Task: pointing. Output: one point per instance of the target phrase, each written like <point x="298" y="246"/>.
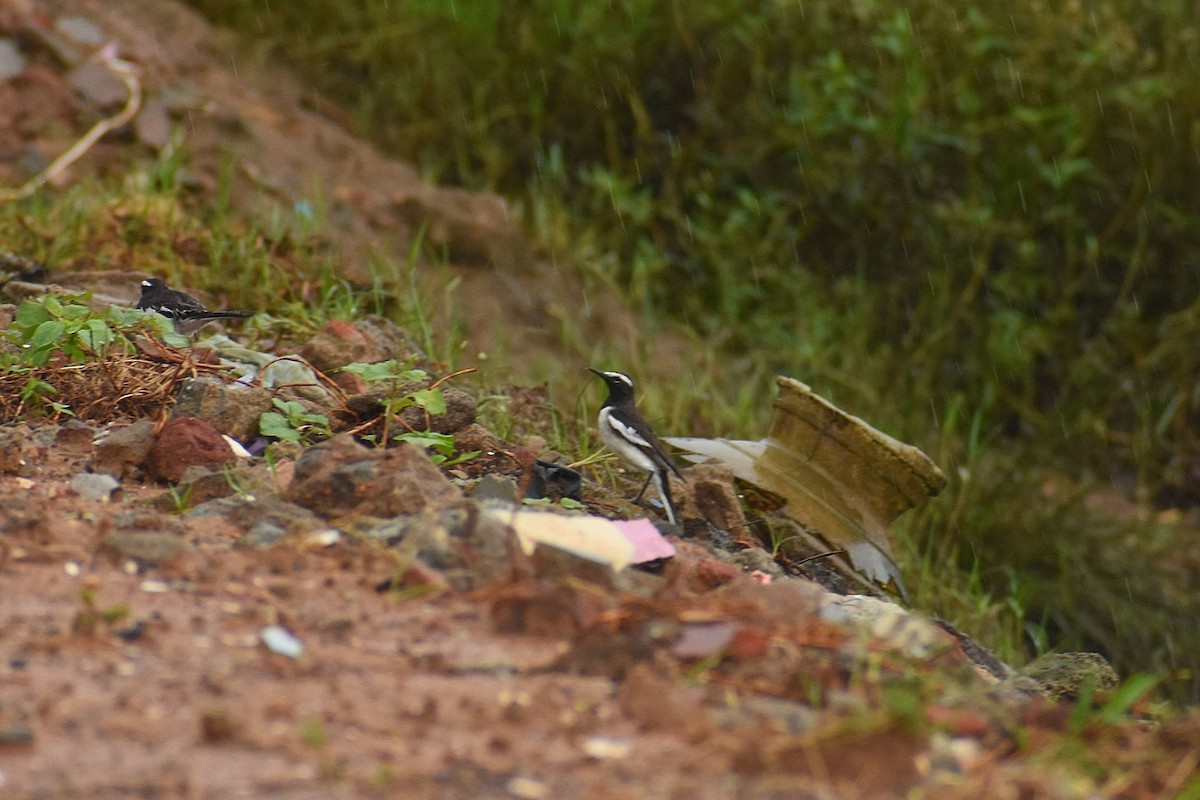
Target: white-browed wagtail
<point x="188" y="313"/>
<point x="628" y="435"/>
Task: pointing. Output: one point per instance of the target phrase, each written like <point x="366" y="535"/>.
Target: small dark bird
<point x="629" y="436"/>
<point x="188" y="313"/>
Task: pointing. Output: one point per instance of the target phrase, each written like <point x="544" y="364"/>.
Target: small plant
<point x="440" y="445"/>
<point x="431" y="400"/>
<point x="54" y="323"/>
<point x="180" y="500"/>
<point x="64" y="324"/>
<point x="293" y="422"/>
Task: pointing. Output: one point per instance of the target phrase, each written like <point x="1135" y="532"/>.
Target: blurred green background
<point x="976" y="225"/>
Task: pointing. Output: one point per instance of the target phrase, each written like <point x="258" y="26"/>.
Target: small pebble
<point x="278" y="640"/>
<point x="95" y="486"/>
<point x="12" y="63"/>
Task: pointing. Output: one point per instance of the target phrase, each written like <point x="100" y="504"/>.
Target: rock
<point x="464" y="547"/>
<point x="887" y="623"/>
<point x="119" y="450"/>
<point x="340" y="477"/>
<point x="1062" y="676"/>
<point x="187" y="442"/>
<point x="16" y="450"/>
<point x="80" y="30"/>
<point x="232" y="408"/>
<point x="76" y="436"/>
<point x="495" y="488"/>
<point x="709" y="494"/>
<point x="198" y="485"/>
<point x="147" y="547"/>
<point x="367" y="341"/>
<point x="264" y="520"/>
<point x="262" y="535"/>
<point x="94" y="486"/>
<point x="99" y="85"/>
<point x="12" y="63"/>
<point x="152" y="125"/>
<point x="753" y="559"/>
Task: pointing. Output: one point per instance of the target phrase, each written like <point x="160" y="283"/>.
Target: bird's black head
<point x="153" y="285"/>
<point x="620" y="387"/>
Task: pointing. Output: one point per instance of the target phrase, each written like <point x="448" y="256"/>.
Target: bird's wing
<point x="182" y="303"/>
<point x="637" y="431"/>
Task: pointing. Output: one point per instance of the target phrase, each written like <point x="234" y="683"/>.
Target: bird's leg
<point x="649" y="477"/>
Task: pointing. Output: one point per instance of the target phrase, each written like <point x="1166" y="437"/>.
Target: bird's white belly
<point x="629" y="453"/>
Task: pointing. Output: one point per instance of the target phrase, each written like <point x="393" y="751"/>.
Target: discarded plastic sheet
<point x="840" y="478"/>
<point x="648" y="543"/>
<point x="617" y="543"/>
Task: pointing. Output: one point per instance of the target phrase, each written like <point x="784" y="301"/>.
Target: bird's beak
<point x="598" y="372"/>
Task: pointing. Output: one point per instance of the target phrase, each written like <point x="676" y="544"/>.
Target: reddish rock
<point x="187" y="442"/>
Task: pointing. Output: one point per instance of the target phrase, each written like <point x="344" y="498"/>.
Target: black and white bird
<point x="628" y="435"/>
<point x="188" y="313"/>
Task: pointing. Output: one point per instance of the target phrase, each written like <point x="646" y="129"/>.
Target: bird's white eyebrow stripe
<point x="621" y="377"/>
<point x="147" y="284"/>
<point x="627" y="432"/>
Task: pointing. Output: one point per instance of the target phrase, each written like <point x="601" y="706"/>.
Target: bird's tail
<point x="663" y="484"/>
<point x="228" y="314"/>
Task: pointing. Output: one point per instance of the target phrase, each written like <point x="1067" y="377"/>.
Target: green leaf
<point x="432" y="400"/>
<point x="389" y="370"/>
<point x="31" y="313"/>
<point x="429" y="439"/>
<point x="47" y="334"/>
<point x="276" y="426"/>
<point x="96" y="335"/>
<point x="76" y="311"/>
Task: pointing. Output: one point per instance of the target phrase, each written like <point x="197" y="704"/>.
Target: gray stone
<point x="95" y="486"/>
<point x="198" y="485"/>
<point x="262" y="535"/>
<point x="247" y="512"/>
<point x="496" y="488"/>
<point x="231" y="408"/>
<point x="98" y="84"/>
<point x="80" y="30"/>
<point x="12" y="63"/>
<point x="76" y="436"/>
<point x="119" y="450"/>
<point x="147" y="547"/>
